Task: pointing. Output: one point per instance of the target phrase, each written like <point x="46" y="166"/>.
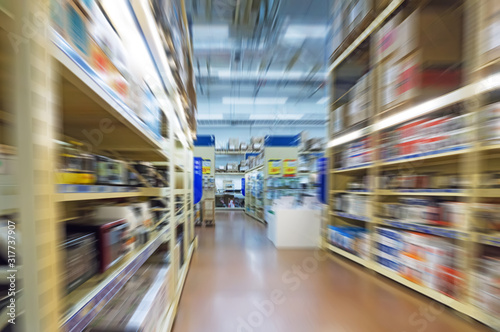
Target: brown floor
<point x="236" y="274"/>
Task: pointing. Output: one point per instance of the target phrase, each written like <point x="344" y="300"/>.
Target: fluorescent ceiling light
<point x="299" y="31"/>
<point x="323" y="100"/>
<point x="276" y="116"/>
<point x="210" y="116"/>
<point x="207" y="31"/>
<point x="253" y="101"/>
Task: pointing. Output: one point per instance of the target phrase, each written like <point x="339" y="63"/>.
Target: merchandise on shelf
<point x="110" y="234"/>
<point x="491" y="124"/>
<point x="149" y="110"/>
<point x="486" y="293"/>
<point x="257" y="143"/>
<point x="417" y="56"/>
<point x="357" y="153"/>
<point x="337" y="119"/>
<point x="233" y="144"/>
<point x="352" y="239"/>
<point x="74" y="166"/>
<point x="80" y="256"/>
<point x="355" y="205"/>
<point x="426" y="135"/>
<point x="399" y="180"/>
<point x="359" y="108"/>
<point x="159" y="208"/>
<point x="360" y="183"/>
<point x="140" y="304"/>
<point x="487" y="216"/>
<point x="426" y="260"/>
<point x="489" y="44"/>
<point x="428" y="211"/>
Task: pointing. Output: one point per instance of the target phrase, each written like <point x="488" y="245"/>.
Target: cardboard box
<point x="436" y="32"/>
<point x="416" y="82"/>
<point x="386" y="39"/>
<point x="354" y="14"/>
<point x="489" y="41"/>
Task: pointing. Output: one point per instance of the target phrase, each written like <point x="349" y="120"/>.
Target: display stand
<point x="294" y="228"/>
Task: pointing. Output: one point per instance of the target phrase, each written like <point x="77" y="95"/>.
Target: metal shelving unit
<point x="481" y="82"/>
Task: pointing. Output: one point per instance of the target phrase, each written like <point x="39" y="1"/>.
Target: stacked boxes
<point x="140" y="304"/>
<point x="417" y="54"/>
<point x="426" y="260"/>
<point x="389" y="246"/>
<point x="427" y="211"/>
<point x="357" y="153"/>
<point x="337" y="119"/>
<point x="354" y="13"/>
<point x="489" y="43"/>
<point x="426" y="135"/>
<point x="487" y="216"/>
<point x="356" y="205"/>
<point x="491" y="123"/>
<point x="487" y="291"/>
<point x="359" y="107"/>
<point x="86" y="29"/>
<point x="353" y="239"/>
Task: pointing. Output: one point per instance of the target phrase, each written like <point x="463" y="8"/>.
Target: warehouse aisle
<point x="238" y="282"/>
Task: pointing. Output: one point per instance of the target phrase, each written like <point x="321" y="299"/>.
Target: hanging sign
<point x="323" y="180"/>
<point x="197" y="180"/>
<point x="289" y="168"/>
<point x="274" y="167"/>
<point x="207" y="166"/>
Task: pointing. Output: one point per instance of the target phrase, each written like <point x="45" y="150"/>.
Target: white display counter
<point x="294" y="228"/>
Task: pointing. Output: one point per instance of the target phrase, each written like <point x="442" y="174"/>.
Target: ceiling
<point x="260" y="62"/>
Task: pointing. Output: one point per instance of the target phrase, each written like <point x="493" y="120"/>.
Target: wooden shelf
<point x="491" y="147"/>
<point x="357" y="168"/>
<point x="442" y="298"/>
<point x="87" y="99"/>
<point x="69" y="193"/>
<point x="155" y="192"/>
<point x="488" y="193"/>
<point x="347" y="254"/>
<point x="449" y="153"/>
<point x="427" y="229"/>
<point x="84" y="302"/>
<point x="488" y="239"/>
<point x="180" y="219"/>
<point x="350" y="216"/>
<point x="169" y="317"/>
<point x="351" y="192"/>
<point x="424" y="192"/>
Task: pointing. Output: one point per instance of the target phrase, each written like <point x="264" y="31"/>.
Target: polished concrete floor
<point x="238" y="282"/>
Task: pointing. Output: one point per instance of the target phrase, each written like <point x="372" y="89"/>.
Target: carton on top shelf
<point x="489" y="40"/>
<point x="436" y="32"/>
